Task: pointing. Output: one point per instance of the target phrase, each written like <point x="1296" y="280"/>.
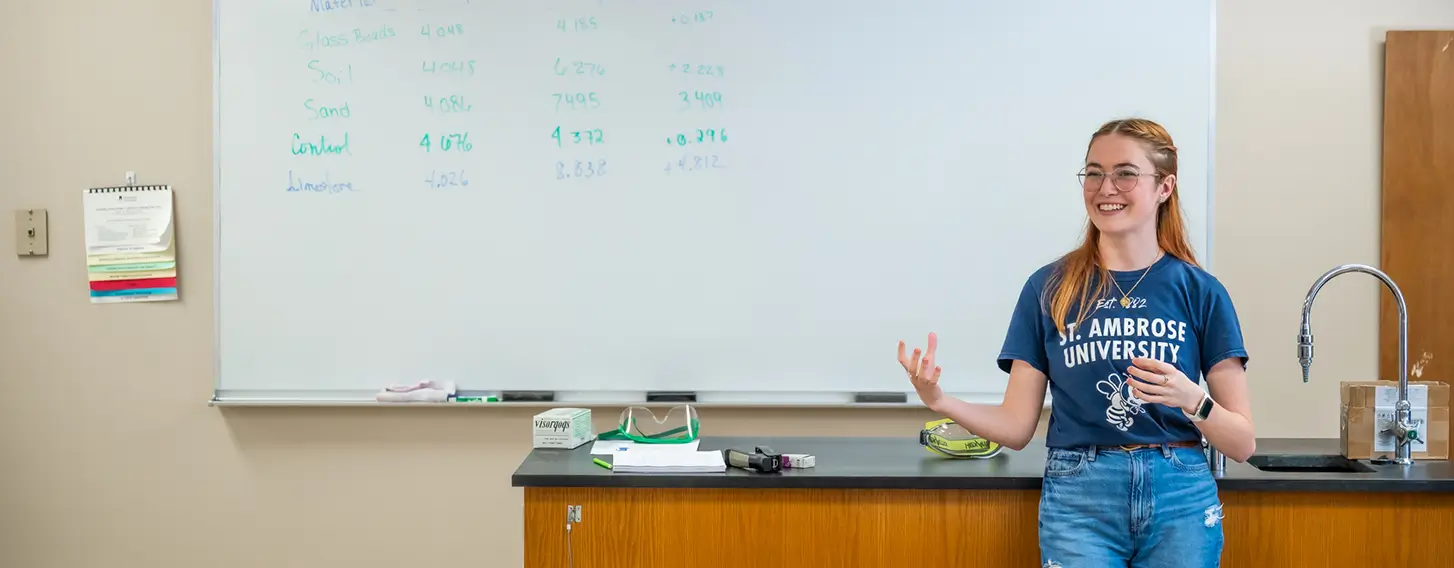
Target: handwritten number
<point x="576" y="24"/>
<point x="580" y="169"/>
<point x="437" y="179"/>
<point x="577" y="100"/>
<point x="427" y="30"/>
<point x="447" y="104"/>
<point x="448" y="142"/>
<point x="696" y="163"/>
<point x="591" y="136"/>
<point x="704" y="136"/>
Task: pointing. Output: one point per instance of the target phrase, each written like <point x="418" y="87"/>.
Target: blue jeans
<point x="1146" y="507"/>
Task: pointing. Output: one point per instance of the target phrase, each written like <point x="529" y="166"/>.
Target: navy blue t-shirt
<point x="1179" y="313"/>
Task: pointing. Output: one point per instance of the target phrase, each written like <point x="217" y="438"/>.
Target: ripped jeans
<point x="1106" y="506"/>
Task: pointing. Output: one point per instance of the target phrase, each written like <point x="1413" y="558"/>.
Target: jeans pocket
<point x="1190" y="460"/>
<point x="1064" y="463"/>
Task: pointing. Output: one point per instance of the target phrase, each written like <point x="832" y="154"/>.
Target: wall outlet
<point x="573" y="513"/>
<point x="30" y="232"/>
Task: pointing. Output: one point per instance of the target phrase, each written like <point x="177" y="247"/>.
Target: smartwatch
<point x="1202" y="411"/>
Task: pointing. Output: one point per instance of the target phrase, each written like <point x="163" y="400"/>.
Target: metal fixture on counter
<point x="1402" y="427"/>
<point x="1215" y="457"/>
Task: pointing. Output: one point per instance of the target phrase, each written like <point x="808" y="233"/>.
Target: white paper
<point x="1385" y="401"/>
<point x="610" y="447"/>
<point x="128" y="221"/>
<point x="669" y="462"/>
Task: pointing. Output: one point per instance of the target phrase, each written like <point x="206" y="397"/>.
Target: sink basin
<point x="1309" y="463"/>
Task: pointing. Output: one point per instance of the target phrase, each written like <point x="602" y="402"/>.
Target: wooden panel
<point x="1292" y="530"/>
<point x="671" y="528"/>
<point x="1418" y="200"/>
<point x="649" y="528"/>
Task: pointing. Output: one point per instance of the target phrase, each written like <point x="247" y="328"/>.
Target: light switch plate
<point x="30" y="232"/>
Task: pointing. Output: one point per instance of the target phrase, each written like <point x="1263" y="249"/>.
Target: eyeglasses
<point x="1125" y="179"/>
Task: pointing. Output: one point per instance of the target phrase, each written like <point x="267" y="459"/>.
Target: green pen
<point x="601" y="463"/>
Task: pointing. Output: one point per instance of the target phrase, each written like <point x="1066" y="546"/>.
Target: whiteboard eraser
<point x="798" y="461"/>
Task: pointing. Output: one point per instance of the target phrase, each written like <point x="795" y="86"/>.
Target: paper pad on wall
<point x="130" y="244"/>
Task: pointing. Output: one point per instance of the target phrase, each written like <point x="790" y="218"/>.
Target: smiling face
<point x="1121" y="186"/>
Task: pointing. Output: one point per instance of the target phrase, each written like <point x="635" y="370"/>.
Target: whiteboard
<point x="751" y="199"/>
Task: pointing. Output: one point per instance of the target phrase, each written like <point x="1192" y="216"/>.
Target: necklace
<point x="1125" y="294"/>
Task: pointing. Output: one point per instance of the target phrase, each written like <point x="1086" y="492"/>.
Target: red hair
<point x="1071" y="283"/>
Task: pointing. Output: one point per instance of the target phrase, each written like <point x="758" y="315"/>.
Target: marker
<point x="476" y="399"/>
<point x="601" y="463"/>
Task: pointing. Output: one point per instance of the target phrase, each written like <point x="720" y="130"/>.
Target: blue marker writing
<point x="326" y="185"/>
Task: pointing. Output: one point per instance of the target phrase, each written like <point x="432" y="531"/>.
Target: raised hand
<point x="923" y="373"/>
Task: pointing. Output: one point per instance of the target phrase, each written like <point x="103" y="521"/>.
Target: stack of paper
<point x="613" y="447"/>
<point x="668" y="462"/>
<point x="130" y="244"/>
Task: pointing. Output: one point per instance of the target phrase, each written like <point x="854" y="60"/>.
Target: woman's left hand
<point x="1162" y="383"/>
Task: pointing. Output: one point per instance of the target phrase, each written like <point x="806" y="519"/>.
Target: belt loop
<point x="1166" y="451"/>
<point x="1091" y="452"/>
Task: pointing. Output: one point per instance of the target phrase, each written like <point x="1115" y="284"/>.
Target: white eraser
<point x="796" y="461"/>
<point x="563" y="428"/>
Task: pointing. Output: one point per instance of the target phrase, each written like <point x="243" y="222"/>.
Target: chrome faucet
<point x="1402" y="427"/>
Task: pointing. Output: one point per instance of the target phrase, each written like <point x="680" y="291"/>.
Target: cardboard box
<point x="563" y="428"/>
<point x="1368" y="409"/>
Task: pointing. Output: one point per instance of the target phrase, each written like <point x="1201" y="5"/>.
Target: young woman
<point x="1122" y="329"/>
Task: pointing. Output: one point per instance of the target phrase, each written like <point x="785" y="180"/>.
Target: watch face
<point x="1206" y="407"/>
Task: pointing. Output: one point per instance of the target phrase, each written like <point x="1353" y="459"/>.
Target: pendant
<point x="1125" y="302"/>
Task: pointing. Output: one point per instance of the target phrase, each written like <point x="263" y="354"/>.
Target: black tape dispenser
<point x="761" y="460"/>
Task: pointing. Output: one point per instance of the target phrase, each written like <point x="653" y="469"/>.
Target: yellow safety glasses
<point x="946" y="438"/>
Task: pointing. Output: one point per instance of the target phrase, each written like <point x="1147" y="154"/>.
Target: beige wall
<point x="109" y="456"/>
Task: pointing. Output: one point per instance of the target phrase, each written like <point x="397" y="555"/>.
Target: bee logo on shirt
<point x="1123" y="405"/>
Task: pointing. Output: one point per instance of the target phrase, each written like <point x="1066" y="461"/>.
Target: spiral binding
<point x="128" y="188"/>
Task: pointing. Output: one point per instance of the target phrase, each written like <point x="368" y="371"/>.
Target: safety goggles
<point x="946" y="438"/>
<point x="639" y="424"/>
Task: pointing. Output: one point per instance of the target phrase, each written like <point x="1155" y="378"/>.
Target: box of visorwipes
<point x="563" y="428"/>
